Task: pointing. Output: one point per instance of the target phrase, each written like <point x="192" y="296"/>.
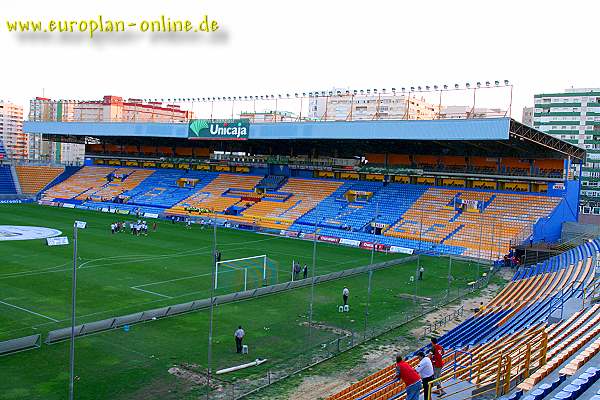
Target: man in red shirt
<point x="410" y="377"/>
<point x="437" y="360"/>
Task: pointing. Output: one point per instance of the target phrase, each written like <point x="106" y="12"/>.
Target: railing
<point x="500" y="365"/>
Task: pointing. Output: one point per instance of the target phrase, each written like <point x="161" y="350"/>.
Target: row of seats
<point x="7" y="184"/>
<point x="571" y="340"/>
<point x="434" y="217"/>
<point x="572" y="391"/>
<point x="35" y="178"/>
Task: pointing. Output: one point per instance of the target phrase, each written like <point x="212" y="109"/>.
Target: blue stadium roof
<point x="464" y="129"/>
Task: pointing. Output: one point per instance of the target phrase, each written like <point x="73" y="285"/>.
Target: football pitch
<point x="122" y="273"/>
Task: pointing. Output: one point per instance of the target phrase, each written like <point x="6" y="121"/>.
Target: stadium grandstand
<point x="469" y="187"/>
<point x="538" y="336"/>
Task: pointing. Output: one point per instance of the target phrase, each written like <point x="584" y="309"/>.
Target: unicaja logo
<point x="237" y="130"/>
<point x="220" y="129"/>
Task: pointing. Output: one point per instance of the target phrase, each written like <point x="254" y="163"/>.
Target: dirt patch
<point x="323" y="385"/>
<point x="186" y="373"/>
<point x="329" y="328"/>
<point x="381" y="357"/>
<point x="374" y="360"/>
<point x="412" y="297"/>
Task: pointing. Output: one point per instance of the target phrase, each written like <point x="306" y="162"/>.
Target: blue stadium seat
<point x="7" y="184"/>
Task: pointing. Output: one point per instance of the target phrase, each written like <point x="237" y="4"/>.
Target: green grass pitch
<point x="120" y="274"/>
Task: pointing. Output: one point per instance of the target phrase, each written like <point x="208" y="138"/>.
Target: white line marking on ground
<point x="151" y="292"/>
<point x="29" y="311"/>
<point x="170" y="280"/>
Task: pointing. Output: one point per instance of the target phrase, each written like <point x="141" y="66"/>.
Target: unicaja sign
<point x="236" y="129"/>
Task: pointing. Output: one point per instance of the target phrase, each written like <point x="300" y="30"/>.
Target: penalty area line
<point x="151" y="292"/>
<point x="29" y="311"/>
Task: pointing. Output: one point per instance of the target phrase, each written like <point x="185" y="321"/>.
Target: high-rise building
<point x="350" y="107"/>
<point x="462" y="112"/>
<point x="109" y="109"/>
<point x="574" y="116"/>
<point x="14" y="143"/>
<point x="527" y="118"/>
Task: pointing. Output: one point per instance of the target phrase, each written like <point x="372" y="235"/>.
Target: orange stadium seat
<point x="34" y="178"/>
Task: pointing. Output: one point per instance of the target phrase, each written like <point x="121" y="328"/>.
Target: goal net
<point x="245" y="273"/>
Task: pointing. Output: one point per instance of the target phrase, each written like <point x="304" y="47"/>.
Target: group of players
<point x="137" y="228"/>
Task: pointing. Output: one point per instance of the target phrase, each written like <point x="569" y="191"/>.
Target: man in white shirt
<point x="239" y="336"/>
<point x="345" y="294"/>
<point x="425" y="369"/>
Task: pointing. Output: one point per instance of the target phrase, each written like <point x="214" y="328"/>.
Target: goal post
<point x="245" y="273"/>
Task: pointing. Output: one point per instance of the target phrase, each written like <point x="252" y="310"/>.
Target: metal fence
<point x="323" y="351"/>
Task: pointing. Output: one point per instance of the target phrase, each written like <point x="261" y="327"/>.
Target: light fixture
<point x="468" y="85"/>
<point x="497" y="83"/>
<point x="506" y="82"/>
<point x="456" y="86"/>
<point x="487" y="83"/>
<point x="478" y="84"/>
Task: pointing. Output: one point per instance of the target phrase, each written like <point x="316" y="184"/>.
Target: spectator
<point x="239" y="337"/>
<point x="345" y="294"/>
<point x="410" y="377"/>
<point x="425" y="369"/>
<point x="437" y="353"/>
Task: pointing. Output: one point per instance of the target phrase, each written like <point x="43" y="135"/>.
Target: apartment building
<point x="574" y="116"/>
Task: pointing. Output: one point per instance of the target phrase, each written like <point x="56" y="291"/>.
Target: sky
<point x="267" y="46"/>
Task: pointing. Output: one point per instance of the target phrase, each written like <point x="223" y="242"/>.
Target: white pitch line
<point x="29" y="311"/>
<point x="170" y="280"/>
<point x="148" y="291"/>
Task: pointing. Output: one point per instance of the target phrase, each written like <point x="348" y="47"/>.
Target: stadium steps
<point x="15" y="178"/>
<point x="452" y="233"/>
<point x="67" y="173"/>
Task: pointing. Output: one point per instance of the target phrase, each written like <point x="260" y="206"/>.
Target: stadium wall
<point x="549" y="229"/>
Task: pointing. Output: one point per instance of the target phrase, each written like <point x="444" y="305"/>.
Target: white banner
<point x="80" y="224"/>
<point x="398" y="249"/>
<point x="350" y="242"/>
<point x="57" y="241"/>
<point x="68" y="205"/>
<point x="150" y="215"/>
